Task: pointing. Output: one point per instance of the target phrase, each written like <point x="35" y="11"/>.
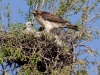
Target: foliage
<point x="26" y="53"/>
<point x="33" y="51"/>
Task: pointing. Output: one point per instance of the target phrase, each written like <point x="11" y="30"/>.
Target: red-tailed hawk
<point x="51" y="21"/>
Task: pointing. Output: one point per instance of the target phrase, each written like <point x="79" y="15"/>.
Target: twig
<point x="42" y="4"/>
<point x="36" y="6"/>
<point x="91" y="53"/>
<point x="44" y="57"/>
<point x="94" y="70"/>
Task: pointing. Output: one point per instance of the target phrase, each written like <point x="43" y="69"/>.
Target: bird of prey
<point x="28" y="29"/>
<point x="51" y="21"/>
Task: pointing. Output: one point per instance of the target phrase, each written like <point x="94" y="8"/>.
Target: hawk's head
<point x="37" y="12"/>
<point x="28" y="24"/>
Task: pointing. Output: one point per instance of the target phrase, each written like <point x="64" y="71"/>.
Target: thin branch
<point x="44" y="57"/>
<point x="42" y="4"/>
<point x="91" y="53"/>
<point x="36" y="6"/>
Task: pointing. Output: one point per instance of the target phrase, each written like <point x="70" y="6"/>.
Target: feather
<point x="51" y="21"/>
<point x="51" y="17"/>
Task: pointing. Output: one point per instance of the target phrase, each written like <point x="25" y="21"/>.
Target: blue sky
<point x="20" y="4"/>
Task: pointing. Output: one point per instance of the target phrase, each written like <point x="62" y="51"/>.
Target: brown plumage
<point x="50" y="21"/>
<point x="52" y="17"/>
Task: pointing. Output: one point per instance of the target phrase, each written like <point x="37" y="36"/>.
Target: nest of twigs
<point x="50" y="54"/>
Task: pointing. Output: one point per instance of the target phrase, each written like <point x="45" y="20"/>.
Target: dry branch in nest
<point x="49" y="54"/>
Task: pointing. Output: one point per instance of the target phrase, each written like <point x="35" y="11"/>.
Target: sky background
<point x="20" y="4"/>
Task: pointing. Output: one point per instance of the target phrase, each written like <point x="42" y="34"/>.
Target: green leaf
<point x="83" y="1"/>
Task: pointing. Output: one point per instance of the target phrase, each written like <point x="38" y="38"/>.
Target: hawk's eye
<point x="29" y="24"/>
<point x="36" y="11"/>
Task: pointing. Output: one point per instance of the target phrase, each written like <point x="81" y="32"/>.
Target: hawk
<point x="51" y="21"/>
<point x="28" y="29"/>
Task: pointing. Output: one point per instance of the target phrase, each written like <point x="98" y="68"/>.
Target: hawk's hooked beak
<point x="34" y="12"/>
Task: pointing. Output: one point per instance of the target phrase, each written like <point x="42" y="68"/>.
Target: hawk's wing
<point x="52" y="17"/>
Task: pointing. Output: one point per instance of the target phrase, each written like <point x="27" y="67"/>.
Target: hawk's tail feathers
<point x="72" y="27"/>
<point x="75" y="28"/>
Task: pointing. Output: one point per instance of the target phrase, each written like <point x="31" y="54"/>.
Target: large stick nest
<point x="51" y="54"/>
